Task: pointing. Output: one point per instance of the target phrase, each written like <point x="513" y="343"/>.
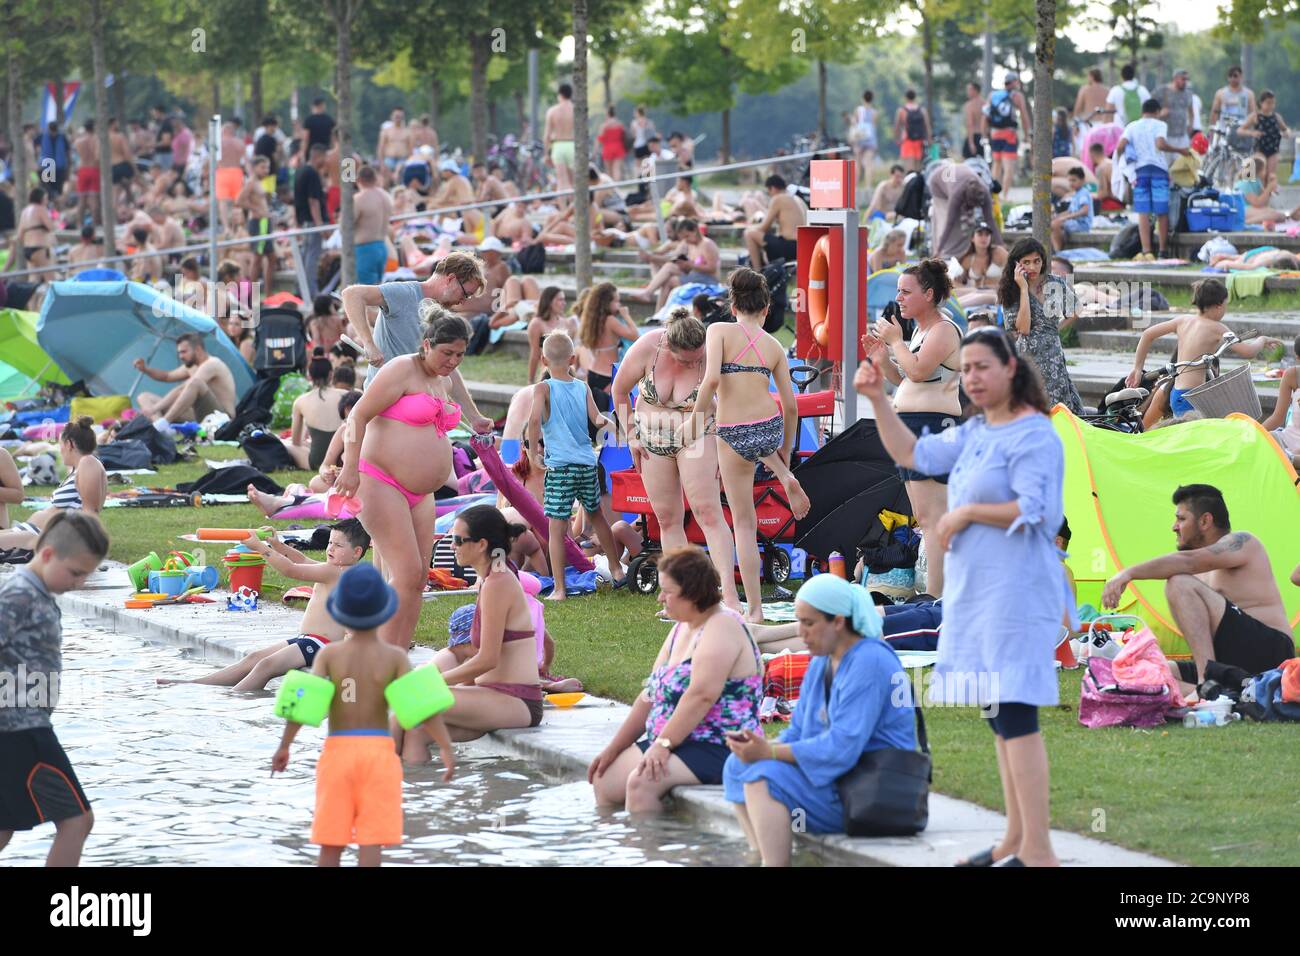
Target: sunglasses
<point x="457" y="540"/>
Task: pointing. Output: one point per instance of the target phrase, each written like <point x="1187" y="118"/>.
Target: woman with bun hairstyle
<point x="740" y="360"/>
<point x="316" y="412"/>
<point x="499" y="687"/>
<point x="667" y="368"/>
<point x="84" y="489"/>
<point x="925" y="369"/>
<point x="1036" y="305"/>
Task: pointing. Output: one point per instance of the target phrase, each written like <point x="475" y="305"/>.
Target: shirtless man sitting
<point x="886" y="195"/>
<point x="784" y="212"/>
<point x="511" y="225"/>
<point x="505" y="299"/>
<point x="1221" y="590"/>
<point x="1199" y="334"/>
<point x="208" y="385"/>
<point x="455" y="190"/>
<point x="88" y="249"/>
<point x="488" y="187"/>
<point x="1107" y="201"/>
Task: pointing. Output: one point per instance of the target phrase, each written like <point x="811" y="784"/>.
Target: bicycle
<point x="1125" y="408"/>
<point x="1222" y="164"/>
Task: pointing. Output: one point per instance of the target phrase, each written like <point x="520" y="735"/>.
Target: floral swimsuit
<point x="735" y="710"/>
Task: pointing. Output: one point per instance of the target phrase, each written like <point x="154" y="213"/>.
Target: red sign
<point x="833" y="182"/>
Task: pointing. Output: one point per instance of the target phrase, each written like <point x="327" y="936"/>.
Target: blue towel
<point x="575" y="582"/>
<point x="1268" y="694"/>
<point x="1083" y="254"/>
<point x="42" y="415"/>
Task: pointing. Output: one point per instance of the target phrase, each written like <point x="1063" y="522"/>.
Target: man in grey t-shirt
<point x="1176" y="110"/>
<point x="397" y="329"/>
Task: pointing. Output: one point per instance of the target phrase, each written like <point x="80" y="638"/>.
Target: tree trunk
<point x="480" y="48"/>
<point x="119" y="98"/>
<point x="821" y="100"/>
<point x="435" y="101"/>
<point x="1044" y="67"/>
<point x="347" y="179"/>
<point x="17" y="149"/>
<point x="927" y="41"/>
<point x="724" y="155"/>
<point x="521" y="113"/>
<point x="108" y="212"/>
<point x="59" y="118"/>
<point x="606" y="76"/>
<point x="492" y="119"/>
<point x="256" y="97"/>
<point x="581" y="149"/>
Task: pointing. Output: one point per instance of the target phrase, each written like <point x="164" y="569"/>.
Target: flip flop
<point x="1010" y="861"/>
<point x="982" y="858"/>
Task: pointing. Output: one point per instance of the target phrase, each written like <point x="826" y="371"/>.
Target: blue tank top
<point x="565" y="428"/>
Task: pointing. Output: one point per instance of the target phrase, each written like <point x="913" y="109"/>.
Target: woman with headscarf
<point x="855" y="698"/>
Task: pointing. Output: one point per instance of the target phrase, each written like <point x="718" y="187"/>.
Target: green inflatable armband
<point x="304" y="698"/>
<point x="418" y="695"/>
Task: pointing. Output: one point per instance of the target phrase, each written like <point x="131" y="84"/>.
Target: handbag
<point x="887" y="793"/>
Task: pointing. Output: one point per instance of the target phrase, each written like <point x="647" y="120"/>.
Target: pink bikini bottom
<point x="374" y="471"/>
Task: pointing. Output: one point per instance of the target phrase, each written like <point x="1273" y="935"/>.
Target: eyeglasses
<point x="464" y="293"/>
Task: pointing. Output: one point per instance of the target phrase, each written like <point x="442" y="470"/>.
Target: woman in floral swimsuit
<point x="706" y="683"/>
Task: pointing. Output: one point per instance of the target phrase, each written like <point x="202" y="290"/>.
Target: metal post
<point x="532" y="95"/>
<point x="658" y="187"/>
<point x="988" y="49"/>
<point x="852" y="286"/>
<point x="214" y="155"/>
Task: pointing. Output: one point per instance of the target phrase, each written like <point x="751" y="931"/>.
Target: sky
<point x="1191" y="16"/>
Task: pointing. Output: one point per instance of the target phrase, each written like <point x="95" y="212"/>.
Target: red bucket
<point x="248" y="576"/>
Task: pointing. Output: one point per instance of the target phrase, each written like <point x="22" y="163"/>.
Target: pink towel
<point x="1142" y="662"/>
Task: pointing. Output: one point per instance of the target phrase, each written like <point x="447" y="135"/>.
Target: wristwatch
<point x="665" y="743"/>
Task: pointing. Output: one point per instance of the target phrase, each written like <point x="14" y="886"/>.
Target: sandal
<point x="982" y="858"/>
<point x="1010" y="861"/>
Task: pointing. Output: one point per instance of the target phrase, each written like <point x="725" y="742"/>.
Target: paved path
<point x="568" y="740"/>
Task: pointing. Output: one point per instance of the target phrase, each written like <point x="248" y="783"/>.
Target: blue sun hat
<point x="362" y="599"/>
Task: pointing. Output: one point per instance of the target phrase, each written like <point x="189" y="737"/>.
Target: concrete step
<point x="1095" y="373"/>
<point x="1185" y="244"/>
<point x="1125" y="340"/>
<point x="1168" y="278"/>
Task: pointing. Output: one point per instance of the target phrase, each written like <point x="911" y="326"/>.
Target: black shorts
<point x="1012" y="720"/>
<point x="920" y="423"/>
<point x="705" y="760"/>
<point x="122" y="172"/>
<point x="1241" y="641"/>
<point x="775" y="246"/>
<point x="967" y="152"/>
<point x="37" y="783"/>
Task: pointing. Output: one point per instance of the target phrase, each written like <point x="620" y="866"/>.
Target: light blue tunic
<point x="870" y="709"/>
<point x="1005" y="591"/>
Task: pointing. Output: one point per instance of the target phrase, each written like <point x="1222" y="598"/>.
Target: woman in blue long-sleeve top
<point x="1005" y="592"/>
<point x="855" y="697"/>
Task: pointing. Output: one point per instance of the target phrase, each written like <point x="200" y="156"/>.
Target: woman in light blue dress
<point x="855" y="698"/>
<point x="1006" y="590"/>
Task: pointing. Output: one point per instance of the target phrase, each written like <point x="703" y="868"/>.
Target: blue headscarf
<point x="460" y="624"/>
<point x="833" y="595"/>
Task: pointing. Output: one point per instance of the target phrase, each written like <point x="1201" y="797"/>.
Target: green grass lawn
<point x="1180" y="298"/>
<point x="1221" y="796"/>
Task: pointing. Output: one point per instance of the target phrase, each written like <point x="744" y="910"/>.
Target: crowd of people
<point x="967" y="426"/>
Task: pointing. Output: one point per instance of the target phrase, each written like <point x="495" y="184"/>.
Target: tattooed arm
<point x="1231" y="551"/>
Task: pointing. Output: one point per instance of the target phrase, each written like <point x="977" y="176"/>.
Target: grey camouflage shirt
<point x="31" y="651"/>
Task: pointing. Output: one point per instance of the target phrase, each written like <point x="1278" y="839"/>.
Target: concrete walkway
<point x="568" y="740"/>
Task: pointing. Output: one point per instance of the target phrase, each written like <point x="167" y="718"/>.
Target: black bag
<point x="1127" y="243"/>
<point x="914" y="199"/>
<point x="232" y="480"/>
<point x="915" y="123"/>
<point x="281" y="342"/>
<point x="266" y="452"/>
<point x="162" y="447"/>
<point x="532" y="258"/>
<point x="777" y="279"/>
<point x="888" y="792"/>
<point x="253" y="409"/>
<point x="124" y="454"/>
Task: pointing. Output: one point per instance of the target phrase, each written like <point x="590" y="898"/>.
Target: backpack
<point x="532" y="258"/>
<point x="281" y="342"/>
<point x="231" y="480"/>
<point x="914" y="199"/>
<point x="253" y="409"/>
<point x="266" y="452"/>
<point x="1132" y="103"/>
<point x="124" y="455"/>
<point x="1104" y="703"/>
<point x="1001" y="110"/>
<point x="162" y="447"/>
<point x="1127" y="242"/>
<point x="915" y="123"/>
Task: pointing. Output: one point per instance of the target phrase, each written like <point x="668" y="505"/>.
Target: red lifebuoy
<point x="819" y="270"/>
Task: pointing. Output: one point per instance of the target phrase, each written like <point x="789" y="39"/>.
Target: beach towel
<point x="1245" y="285"/>
<point x="682" y="295"/>
<point x="1269" y="692"/>
<point x="575" y="582"/>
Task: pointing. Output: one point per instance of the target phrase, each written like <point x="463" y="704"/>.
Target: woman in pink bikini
<point x="499" y="687"/>
<point x="397" y="455"/>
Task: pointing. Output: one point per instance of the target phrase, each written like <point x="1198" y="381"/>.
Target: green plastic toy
<point x="304" y="698"/>
<point x="418" y="695"/>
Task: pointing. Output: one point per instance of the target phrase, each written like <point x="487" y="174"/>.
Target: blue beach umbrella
<point x="95" y="330"/>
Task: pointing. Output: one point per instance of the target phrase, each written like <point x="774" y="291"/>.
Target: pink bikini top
<point x="422" y="409"/>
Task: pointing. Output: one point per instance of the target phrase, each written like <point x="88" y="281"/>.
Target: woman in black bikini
<point x="605" y="323"/>
<point x="668" y="380"/>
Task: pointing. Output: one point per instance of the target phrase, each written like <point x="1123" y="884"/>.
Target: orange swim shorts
<point x="911" y="149"/>
<point x="230" y="180"/>
<point x="358" y="792"/>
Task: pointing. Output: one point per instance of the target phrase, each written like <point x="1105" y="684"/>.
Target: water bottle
<point x="836" y="565"/>
<point x="1208" y="718"/>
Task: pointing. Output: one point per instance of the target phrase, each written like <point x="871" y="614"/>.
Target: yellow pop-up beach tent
<point x="1119" y="502"/>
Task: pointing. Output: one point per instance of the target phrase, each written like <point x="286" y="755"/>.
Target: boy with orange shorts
<point x="359" y="775"/>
